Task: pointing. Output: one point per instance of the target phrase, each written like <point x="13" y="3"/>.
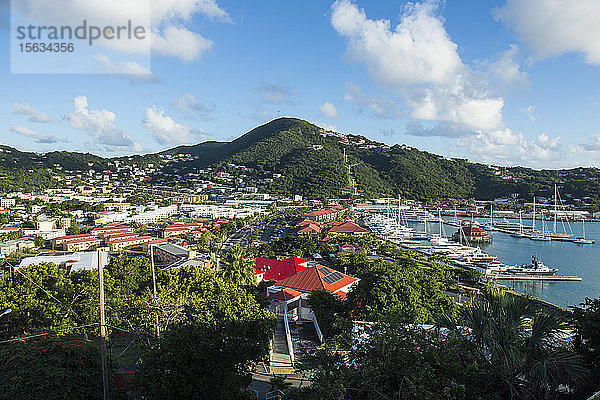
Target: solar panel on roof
<point x="333" y="277"/>
<point x="325" y="270"/>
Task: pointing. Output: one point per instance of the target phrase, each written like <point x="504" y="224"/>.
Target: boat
<point x="541" y="236"/>
<point x="520" y="234"/>
<point x="417" y="215"/>
<point x="535" y="268"/>
<point x="583" y="240"/>
<point x="554" y="234"/>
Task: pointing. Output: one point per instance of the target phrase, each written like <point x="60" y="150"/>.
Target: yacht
<point x="535" y="268"/>
<point x="583" y="240"/>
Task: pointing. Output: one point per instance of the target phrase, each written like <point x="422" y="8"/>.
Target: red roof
<point x="317" y="278"/>
<point x="133" y="239"/>
<point x="321" y="212"/>
<point x="348" y="227"/>
<point x="276" y="270"/>
<point x="308" y="222"/>
<point x="310" y="228"/>
<point x="285" y="294"/>
<point x="69" y="237"/>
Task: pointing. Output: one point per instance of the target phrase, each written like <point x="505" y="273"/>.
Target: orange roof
<point x="321" y="212"/>
<point x="310" y="228"/>
<point x="348" y="227"/>
<point x="308" y="222"/>
<point x="69" y="237"/>
<point x="133" y="239"/>
<point x="317" y="278"/>
<point x="285" y="294"/>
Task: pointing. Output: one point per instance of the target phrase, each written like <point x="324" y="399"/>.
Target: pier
<point x="516" y="277"/>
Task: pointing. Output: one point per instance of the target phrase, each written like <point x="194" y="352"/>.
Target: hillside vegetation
<point x="315" y="163"/>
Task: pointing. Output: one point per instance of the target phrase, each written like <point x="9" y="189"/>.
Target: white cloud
<point x="326" y="126"/>
<point x="379" y="107"/>
<point x="418" y="50"/>
<point x="554" y="27"/>
<point x="180" y="42"/>
<point x="194" y="109"/>
<point x="34" y="114"/>
<point x="420" y="61"/>
<point x="328" y="110"/>
<point x="592" y="143"/>
<point x="276" y="92"/>
<point x="507" y="70"/>
<point x="185" y="9"/>
<point x="504" y="146"/>
<point x="39" y="137"/>
<point x="530" y="112"/>
<point x="172" y="32"/>
<point x="100" y="124"/>
<point x="129" y="69"/>
<point x="164" y="129"/>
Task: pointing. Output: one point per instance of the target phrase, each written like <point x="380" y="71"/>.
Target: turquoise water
<point x="569" y="258"/>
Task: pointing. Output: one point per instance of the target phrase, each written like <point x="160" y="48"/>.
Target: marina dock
<point x="554" y="278"/>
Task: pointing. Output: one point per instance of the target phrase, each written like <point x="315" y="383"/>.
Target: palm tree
<point x="237" y="267"/>
<point x="520" y="345"/>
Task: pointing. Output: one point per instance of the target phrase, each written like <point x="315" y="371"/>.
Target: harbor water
<point x="571" y="259"/>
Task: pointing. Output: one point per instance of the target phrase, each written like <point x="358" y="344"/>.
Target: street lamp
<point x="7" y="311"/>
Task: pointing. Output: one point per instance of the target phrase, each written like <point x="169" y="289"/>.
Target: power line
<point x="48" y="293"/>
<point x="47" y="333"/>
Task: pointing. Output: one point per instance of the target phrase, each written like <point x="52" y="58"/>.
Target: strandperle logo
<point x="90" y="33"/>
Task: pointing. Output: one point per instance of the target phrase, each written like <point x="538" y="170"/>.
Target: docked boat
<point x="583" y="239"/>
<point x="535" y="268"/>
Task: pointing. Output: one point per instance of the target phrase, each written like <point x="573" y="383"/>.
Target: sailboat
<point x="520" y="234"/>
<point x="583" y="240"/>
<point x="555" y="234"/>
<point x="541" y="237"/>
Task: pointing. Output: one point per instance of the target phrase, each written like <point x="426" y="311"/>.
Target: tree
<point x="333" y="314"/>
<point x="520" y="346"/>
<point x="395" y="361"/>
<point x="50" y="368"/>
<point x="203" y="360"/>
<point x="586" y="318"/>
<point x="238" y="268"/>
<point x="405" y="291"/>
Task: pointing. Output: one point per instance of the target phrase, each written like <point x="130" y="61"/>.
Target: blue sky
<point x="505" y="82"/>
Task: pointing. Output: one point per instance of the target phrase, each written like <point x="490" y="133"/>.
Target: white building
<point x="6" y="202"/>
<point x="153" y="216"/>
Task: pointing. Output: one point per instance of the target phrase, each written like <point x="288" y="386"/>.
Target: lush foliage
<point x="50" y="368"/>
<point x="405" y="291"/>
<point x="204" y="360"/>
<point x="586" y="318"/>
<point x="520" y="345"/>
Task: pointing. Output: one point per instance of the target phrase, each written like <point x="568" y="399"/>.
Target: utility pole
<point x="102" y="327"/>
<point x="154" y="287"/>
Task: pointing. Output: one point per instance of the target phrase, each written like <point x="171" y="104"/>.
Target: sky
<point x="505" y="82"/>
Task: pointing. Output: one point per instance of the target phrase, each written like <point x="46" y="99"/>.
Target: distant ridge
<point x="311" y="162"/>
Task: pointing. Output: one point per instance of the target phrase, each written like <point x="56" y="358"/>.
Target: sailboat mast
<point x="555" y="206"/>
<point x="520" y="222"/>
<point x="533" y="221"/>
<point x="398" y="209"/>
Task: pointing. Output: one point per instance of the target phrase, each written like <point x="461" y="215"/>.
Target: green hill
<point x="315" y="163"/>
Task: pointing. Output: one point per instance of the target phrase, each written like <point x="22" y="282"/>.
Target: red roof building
<point x="348" y="228"/>
<point x="275" y="270"/>
<point x="307" y="229"/>
<point x="293" y="291"/>
<point x="471" y="233"/>
<point x="322" y="215"/>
